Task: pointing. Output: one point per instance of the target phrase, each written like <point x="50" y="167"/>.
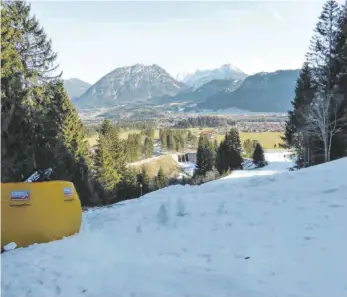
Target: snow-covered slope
<point x="281" y="234"/>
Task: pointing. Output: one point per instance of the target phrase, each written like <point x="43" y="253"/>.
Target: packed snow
<point x="261" y="235"/>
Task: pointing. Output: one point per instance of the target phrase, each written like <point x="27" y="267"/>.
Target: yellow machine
<point x="38" y="212"/>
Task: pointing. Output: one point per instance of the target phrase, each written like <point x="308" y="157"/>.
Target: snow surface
<point x="281" y="234"/>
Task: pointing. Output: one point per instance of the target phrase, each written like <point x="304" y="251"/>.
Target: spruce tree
<point x="148" y="148"/>
<point x="295" y="136"/>
<point x="160" y="180"/>
<point x="205" y="157"/>
<point x="105" y="174"/>
<point x="258" y="155"/>
<point x="128" y="187"/>
<point x="339" y="147"/>
<point x="143" y="178"/>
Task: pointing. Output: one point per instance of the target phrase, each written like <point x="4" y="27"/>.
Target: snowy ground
<point x="281" y="234"/>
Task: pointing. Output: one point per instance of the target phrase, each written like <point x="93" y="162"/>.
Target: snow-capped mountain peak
<point x="201" y="77"/>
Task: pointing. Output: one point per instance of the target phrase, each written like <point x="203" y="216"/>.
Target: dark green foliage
<point x="144" y="180"/>
<point x="148" y="148"/>
<point x="128" y="187"/>
<point x="160" y="180"/>
<point x="105" y="173"/>
<point x="115" y="147"/>
<point x="175" y="139"/>
<point x="229" y="152"/>
<point x="204" y="121"/>
<point x="258" y="155"/>
<point x="323" y="79"/>
<point x="205" y="156"/>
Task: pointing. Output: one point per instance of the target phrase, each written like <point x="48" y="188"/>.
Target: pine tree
<point x="229" y="153"/>
<point x="163" y="140"/>
<point x="160" y="180"/>
<point x="128" y="187"/>
<point x="294" y="131"/>
<point x="143" y="178"/>
<point x="339" y="146"/>
<point x="258" y="155"/>
<point x="24" y="105"/>
<point x="205" y="157"/>
<point x="115" y="146"/>
<point x="148" y="148"/>
<point x="322" y="55"/>
<point x="105" y="174"/>
<point x="64" y="147"/>
<point x="326" y="108"/>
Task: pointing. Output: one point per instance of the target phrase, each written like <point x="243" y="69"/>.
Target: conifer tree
<point x="258" y="155"/>
<point x="148" y="148"/>
<point x="205" y="158"/>
<point x="128" y="187"/>
<point x="143" y="178"/>
<point x="105" y="174"/>
<point x="160" y="180"/>
<point x="295" y="135"/>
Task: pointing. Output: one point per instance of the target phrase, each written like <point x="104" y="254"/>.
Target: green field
<point x="266" y="139"/>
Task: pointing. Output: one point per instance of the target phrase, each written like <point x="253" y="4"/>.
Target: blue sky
<point x="94" y="37"/>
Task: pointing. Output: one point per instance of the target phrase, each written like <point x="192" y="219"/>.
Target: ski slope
<point x="273" y="233"/>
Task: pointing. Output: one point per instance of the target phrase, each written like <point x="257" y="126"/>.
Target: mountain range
<point x="201" y="77"/>
<point x="130" y="84"/>
<point x="75" y="87"/>
<point x="262" y="92"/>
<point x="150" y="85"/>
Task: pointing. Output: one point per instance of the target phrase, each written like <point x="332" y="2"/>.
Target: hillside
<point x="201" y="77"/>
<point x="75" y="87"/>
<point x="200" y="94"/>
<point x="262" y="233"/>
<point x="129" y="85"/>
<point x="262" y="92"/>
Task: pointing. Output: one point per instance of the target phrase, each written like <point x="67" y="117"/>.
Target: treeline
<point x="317" y="124"/>
<point x="138" y="125"/>
<point x="176" y="139"/>
<point x="216" y="160"/>
<point x="203" y="122"/>
<point x="40" y="128"/>
<point x="118" y="181"/>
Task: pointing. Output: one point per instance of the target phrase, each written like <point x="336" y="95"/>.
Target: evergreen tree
<point x="105" y="174"/>
<point x="339" y="145"/>
<point x="143" y="178"/>
<point x="205" y="157"/>
<point x="295" y="135"/>
<point x="163" y="140"/>
<point x="229" y="152"/>
<point x="258" y="155"/>
<point x="148" y="147"/>
<point x="160" y="180"/>
<point x="128" y="187"/>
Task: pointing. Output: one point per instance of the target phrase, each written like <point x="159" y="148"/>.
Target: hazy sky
<point x="94" y="37"/>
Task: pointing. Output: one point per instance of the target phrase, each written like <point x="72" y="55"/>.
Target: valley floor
<point x="261" y="233"/>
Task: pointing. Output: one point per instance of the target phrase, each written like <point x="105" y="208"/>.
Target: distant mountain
<point x="129" y="85"/>
<point x="75" y="87"/>
<point x="201" y="77"/>
<point x="192" y="95"/>
<point x="261" y="92"/>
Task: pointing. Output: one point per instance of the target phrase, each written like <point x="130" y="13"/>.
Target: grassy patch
<point x="166" y="162"/>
